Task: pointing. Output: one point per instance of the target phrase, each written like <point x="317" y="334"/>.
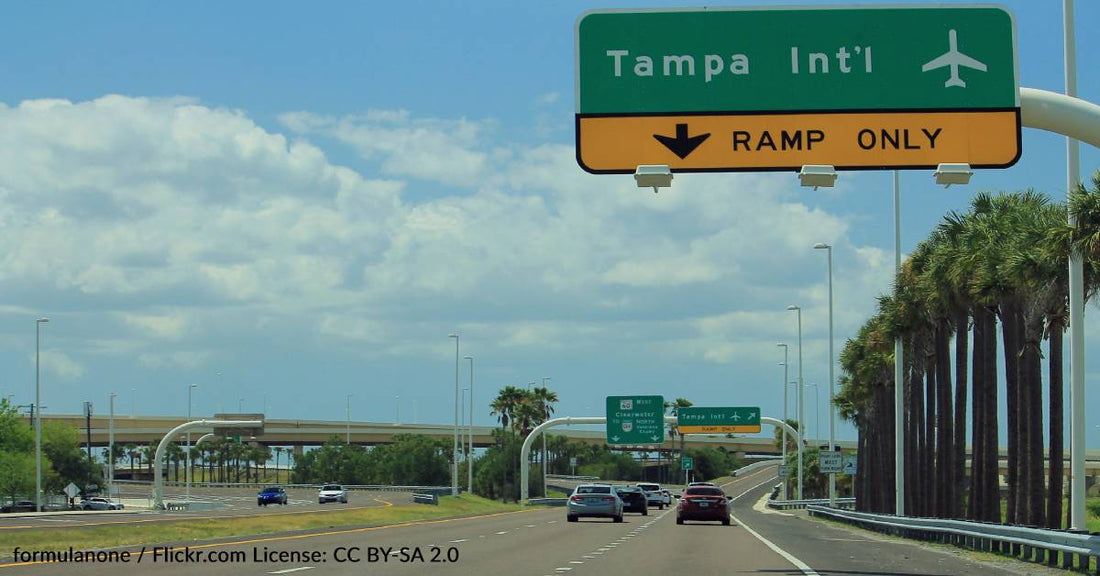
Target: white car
<point x="332" y="493"/>
<point x="99" y="504"/>
<point x="653" y="495"/>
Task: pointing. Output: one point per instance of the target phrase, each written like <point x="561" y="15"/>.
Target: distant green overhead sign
<point x="706" y="420"/>
<point x="635" y="419"/>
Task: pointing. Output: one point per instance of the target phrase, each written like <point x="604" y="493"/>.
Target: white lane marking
<point x="575" y="562"/>
<point x="563" y="569"/>
<point x="530" y="525"/>
<point x="289" y="570"/>
<point x="750" y="490"/>
<point x="503" y="532"/>
<point x="481" y="536"/>
<point x="552" y="522"/>
<point x="587" y="557"/>
<point x="806" y="570"/>
<point x="762" y="506"/>
<point x="602" y="549"/>
<point x="459" y="540"/>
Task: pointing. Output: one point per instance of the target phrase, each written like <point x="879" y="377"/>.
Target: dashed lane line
<point x="289" y="570"/>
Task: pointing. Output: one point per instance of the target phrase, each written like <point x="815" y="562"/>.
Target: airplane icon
<point x="954" y="59"/>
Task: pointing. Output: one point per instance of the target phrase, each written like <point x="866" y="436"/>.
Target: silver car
<point x="599" y="500"/>
<point x="99" y="504"/>
<point x="332" y="493"/>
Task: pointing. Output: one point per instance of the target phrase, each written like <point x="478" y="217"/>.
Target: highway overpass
<point x="287" y="432"/>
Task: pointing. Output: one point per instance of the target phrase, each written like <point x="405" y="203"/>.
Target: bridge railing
<point x="1042" y="545"/>
<point x="756" y="466"/>
<point x="440" y="490"/>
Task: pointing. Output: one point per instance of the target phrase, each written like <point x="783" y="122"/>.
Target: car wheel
<point x="619" y="519"/>
<point x="679" y="520"/>
<point x="645" y="512"/>
<point x="571" y="518"/>
<point x="726" y="521"/>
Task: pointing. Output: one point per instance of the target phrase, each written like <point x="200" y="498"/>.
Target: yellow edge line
<point x="310" y="535"/>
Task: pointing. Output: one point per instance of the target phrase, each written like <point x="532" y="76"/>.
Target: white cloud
<point x="170" y="327"/>
<point x="59" y="364"/>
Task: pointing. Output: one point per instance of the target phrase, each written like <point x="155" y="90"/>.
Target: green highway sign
<point x="707" y="420"/>
<point x="687" y="463"/>
<point x="723" y="89"/>
<point x="796" y="59"/>
<point x="635" y="419"/>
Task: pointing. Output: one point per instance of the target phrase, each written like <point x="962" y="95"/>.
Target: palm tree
<point x="278" y="452"/>
<point x="672" y="409"/>
<point x="545" y="398"/>
<point x="503" y="407"/>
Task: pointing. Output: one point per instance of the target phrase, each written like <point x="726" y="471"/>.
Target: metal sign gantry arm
<point x="525" y="451"/>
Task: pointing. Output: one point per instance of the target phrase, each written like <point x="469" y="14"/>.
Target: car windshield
<point x="649" y="487"/>
<point x="336" y="487"/>
<point x="271" y="490"/>
<point x="704" y="491"/>
<point x="593" y="490"/>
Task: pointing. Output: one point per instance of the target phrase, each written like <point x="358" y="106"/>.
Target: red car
<point x="703" y="503"/>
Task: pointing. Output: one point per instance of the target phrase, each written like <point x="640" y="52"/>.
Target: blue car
<point x="271" y="495"/>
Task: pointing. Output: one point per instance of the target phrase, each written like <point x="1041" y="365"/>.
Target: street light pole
<point x="190" y="387"/>
<point x="801" y="412"/>
<point x="454" y="452"/>
<point x="832" y="411"/>
<point x="347" y="420"/>
<point x="37" y="418"/>
<point x="470" y="459"/>
<point x="544" y="415"/>
<point x="397" y="410"/>
<point x="899" y="351"/>
<point x="111" y="448"/>
<point x="784" y="430"/>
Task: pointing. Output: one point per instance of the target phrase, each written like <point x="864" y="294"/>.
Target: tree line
<point x="988" y="283"/>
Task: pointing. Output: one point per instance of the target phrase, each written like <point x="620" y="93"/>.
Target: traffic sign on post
<point x="635" y="419"/>
<point x="704" y="90"/>
<point x="706" y="420"/>
<point x="851" y="464"/>
<point x="687" y="463"/>
<point x="829" y="462"/>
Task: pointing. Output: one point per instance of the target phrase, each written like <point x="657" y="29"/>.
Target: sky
<point x="290" y="203"/>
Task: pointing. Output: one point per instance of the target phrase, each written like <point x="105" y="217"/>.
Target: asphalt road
<point x="540" y="542"/>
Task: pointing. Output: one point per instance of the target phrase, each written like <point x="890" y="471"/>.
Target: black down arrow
<point x="682" y="144"/>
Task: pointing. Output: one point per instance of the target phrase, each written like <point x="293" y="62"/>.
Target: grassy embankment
<point x="107" y="536"/>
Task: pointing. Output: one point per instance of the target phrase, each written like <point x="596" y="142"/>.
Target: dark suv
<point x="271" y="495"/>
<point x="634" y="499"/>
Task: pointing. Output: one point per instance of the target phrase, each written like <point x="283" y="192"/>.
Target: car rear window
<point x="332" y="487"/>
<point x="593" y="490"/>
<point x="705" y="491"/>
<point x="649" y="487"/>
<point x="628" y="489"/>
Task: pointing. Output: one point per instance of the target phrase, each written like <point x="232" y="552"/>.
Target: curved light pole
<point x="470" y="459"/>
<point x="545" y="415"/>
<point x="37" y="419"/>
<point x="454" y="453"/>
<point x="801" y="413"/>
<point x="190" y="387"/>
<point x="832" y="421"/>
<point x="784" y="365"/>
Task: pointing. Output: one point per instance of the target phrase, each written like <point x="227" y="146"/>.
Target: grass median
<point x="197" y="529"/>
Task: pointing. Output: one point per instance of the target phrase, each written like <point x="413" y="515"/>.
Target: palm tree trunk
<point x="991" y="475"/>
<point x="945" y="435"/>
<point x="931" y="490"/>
<point x="1031" y="383"/>
<point x="916" y="416"/>
<point x="1017" y="459"/>
<point x="976" y="501"/>
<point x="962" y="336"/>
<point x="1054" y="498"/>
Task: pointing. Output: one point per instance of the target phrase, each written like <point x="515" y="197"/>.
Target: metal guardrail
<point x="756" y="466"/>
<point x="568" y="477"/>
<point x="1032" y="544"/>
<point x="800" y="504"/>
<point x="426" y="498"/>
<point x="548" y="501"/>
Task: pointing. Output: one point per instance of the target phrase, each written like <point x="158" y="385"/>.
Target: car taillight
<point x="576" y="498"/>
<point x="607" y="499"/>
